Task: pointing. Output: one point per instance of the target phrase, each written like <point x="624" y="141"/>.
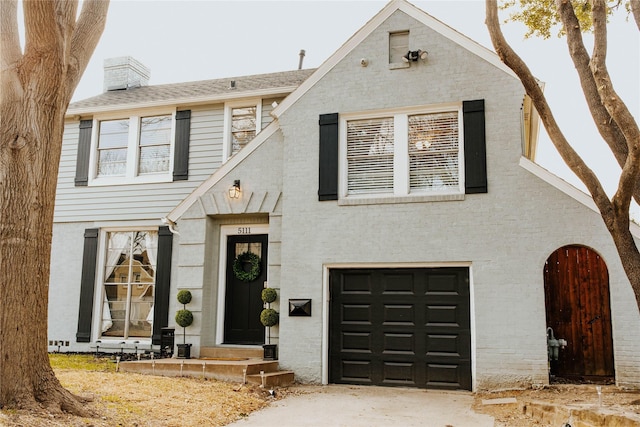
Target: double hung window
<point x="134" y="149"/>
<point x="129" y="284"/>
<point x="403" y="153"/>
<point x="242" y="124"/>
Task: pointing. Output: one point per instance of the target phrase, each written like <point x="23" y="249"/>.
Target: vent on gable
<point x="123" y="73"/>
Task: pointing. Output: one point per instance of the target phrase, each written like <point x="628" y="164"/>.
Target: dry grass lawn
<point x="122" y="399"/>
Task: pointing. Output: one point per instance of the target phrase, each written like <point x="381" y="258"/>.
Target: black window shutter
<point x="328" y="168"/>
<point x="475" y="152"/>
<point x="84" y="152"/>
<point x="87" y="284"/>
<point x="181" y="157"/>
<point x="163" y="283"/>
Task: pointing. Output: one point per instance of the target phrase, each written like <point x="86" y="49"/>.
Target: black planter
<point x="184" y="351"/>
<point x="270" y="352"/>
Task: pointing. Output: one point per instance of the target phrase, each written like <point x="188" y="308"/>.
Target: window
<point x="129" y="284"/>
<point x="398" y="46"/>
<point x="370" y="147"/>
<point x="434" y="152"/>
<point x="154" y="145"/>
<point x="112" y="147"/>
<point x="242" y="124"/>
<point x="134" y="149"/>
<point x="404" y="153"/>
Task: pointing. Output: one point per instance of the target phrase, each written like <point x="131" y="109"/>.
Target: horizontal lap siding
<point x="138" y="201"/>
<point x="143" y="201"/>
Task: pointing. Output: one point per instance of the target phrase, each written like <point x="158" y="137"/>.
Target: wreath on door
<point x="239" y="266"/>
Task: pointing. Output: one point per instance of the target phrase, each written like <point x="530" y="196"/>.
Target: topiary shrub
<point x="269" y="295"/>
<point x="184" y="318"/>
<point x="184" y="296"/>
<point x="269" y="317"/>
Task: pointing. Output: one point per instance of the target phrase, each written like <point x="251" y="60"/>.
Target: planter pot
<point x="184" y="351"/>
<point x="270" y="352"/>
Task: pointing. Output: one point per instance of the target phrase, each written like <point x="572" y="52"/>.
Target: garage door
<point x="400" y="327"/>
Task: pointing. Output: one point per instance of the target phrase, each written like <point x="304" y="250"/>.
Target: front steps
<point x="232" y="364"/>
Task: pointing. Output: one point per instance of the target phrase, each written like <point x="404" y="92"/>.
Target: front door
<point x="576" y="284"/>
<point x="246" y="273"/>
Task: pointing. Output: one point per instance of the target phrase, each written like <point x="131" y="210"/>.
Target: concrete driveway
<point x="362" y="406"/>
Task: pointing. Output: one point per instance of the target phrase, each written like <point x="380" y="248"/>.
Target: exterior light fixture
<point x="234" y="190"/>
<point x="414" y="55"/>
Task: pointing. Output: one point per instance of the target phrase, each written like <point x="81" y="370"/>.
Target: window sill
<point x="382" y="200"/>
<point x="399" y="65"/>
<point x="142" y="179"/>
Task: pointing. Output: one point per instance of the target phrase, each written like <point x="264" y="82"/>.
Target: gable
<point x="392" y="7"/>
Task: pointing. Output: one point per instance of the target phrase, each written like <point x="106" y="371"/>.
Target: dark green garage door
<point x="400" y="327"/>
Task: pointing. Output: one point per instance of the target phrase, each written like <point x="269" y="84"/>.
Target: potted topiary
<point x="184" y="318"/>
<point x="269" y="317"/>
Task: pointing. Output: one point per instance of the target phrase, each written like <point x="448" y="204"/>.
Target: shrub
<point x="269" y="295"/>
<point x="184" y="318"/>
<point x="184" y="297"/>
<point x="269" y="317"/>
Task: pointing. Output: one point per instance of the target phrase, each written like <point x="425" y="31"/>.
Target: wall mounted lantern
<point x="234" y="190"/>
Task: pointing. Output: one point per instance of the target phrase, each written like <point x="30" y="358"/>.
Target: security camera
<point x="364" y="62"/>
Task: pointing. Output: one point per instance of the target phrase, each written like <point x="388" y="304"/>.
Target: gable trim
<point x="222" y="171"/>
<point x="414" y="12"/>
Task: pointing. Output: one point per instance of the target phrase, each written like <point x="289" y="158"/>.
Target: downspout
<point x="172" y="225"/>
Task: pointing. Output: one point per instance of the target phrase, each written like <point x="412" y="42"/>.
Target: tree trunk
<point x="615" y="211"/>
<point x="34" y="94"/>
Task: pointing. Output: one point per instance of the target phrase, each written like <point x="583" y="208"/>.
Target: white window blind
<point x="433" y="152"/>
<point x="370" y="147"/>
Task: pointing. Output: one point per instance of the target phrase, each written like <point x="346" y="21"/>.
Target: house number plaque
<point x="244" y="230"/>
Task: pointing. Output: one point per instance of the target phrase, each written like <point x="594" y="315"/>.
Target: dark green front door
<point x="243" y="302"/>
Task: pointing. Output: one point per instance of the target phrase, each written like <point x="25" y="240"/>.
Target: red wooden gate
<point x="576" y="284"/>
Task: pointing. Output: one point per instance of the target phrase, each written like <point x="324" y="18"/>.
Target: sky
<point x="206" y="39"/>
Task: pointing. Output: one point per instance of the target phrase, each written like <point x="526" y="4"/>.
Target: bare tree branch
<point x="568" y="154"/>
<point x="616" y="108"/>
<point x="9" y="36"/>
<point x="90" y="26"/>
<point x="10" y="52"/>
<point x="606" y="126"/>
<point x="635" y="9"/>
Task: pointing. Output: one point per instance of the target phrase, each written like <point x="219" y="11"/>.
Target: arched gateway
<point x="576" y="285"/>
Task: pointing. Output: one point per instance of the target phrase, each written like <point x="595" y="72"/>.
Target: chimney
<point x="124" y="73"/>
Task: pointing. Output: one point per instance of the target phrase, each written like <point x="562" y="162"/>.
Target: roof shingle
<point x="198" y="89"/>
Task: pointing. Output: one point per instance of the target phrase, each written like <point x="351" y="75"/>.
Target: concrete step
<point x="272" y="379"/>
<point x="231" y="352"/>
<point x="223" y="370"/>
